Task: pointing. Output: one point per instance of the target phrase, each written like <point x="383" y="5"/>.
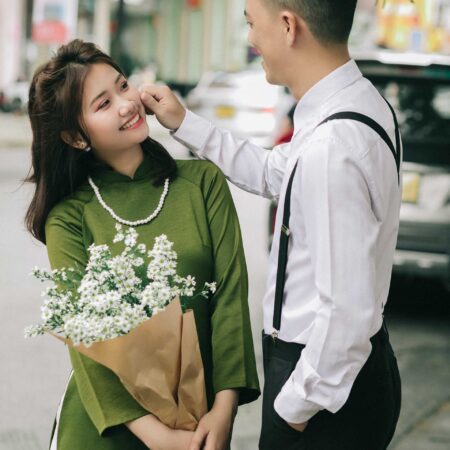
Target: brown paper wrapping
<point x="160" y="365"/>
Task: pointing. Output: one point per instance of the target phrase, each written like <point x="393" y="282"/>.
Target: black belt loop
<point x="285" y="230"/>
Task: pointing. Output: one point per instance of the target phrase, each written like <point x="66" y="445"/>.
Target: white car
<point x="243" y="102"/>
<point x="16" y="96"/>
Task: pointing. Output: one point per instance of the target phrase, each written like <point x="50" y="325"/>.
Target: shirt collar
<point x="309" y="106"/>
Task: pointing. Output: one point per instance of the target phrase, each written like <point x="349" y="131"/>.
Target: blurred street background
<point x="199" y="48"/>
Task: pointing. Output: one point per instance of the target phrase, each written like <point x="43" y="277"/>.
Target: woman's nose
<point x="127" y="108"/>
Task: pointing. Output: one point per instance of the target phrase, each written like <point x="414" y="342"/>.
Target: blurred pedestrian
<point x="331" y="377"/>
<point x="286" y="129"/>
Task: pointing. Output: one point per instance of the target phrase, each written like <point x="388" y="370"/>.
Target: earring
<point x="87" y="149"/>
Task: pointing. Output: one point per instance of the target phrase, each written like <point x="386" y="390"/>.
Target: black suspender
<point x="377" y="128"/>
<point x="282" y="255"/>
<point x="285" y="231"/>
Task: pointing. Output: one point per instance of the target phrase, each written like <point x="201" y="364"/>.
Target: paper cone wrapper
<point x="160" y="365"/>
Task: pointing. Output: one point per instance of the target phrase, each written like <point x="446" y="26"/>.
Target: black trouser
<point x="367" y="420"/>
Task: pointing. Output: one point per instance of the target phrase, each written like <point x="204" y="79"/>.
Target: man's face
<point x="266" y="35"/>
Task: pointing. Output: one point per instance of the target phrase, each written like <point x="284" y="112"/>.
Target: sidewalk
<point x="15" y="131"/>
<point x="433" y="433"/>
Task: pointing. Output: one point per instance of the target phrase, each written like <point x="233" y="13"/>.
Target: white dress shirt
<point x="344" y="220"/>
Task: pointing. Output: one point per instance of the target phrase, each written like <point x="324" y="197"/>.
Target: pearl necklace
<point x="128" y="222"/>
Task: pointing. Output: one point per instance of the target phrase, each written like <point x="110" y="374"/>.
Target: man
<point x="331" y="378"/>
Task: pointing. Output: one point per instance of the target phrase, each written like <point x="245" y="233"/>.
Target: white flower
<point x="211" y="286"/>
<point x="113" y="294"/>
<point x="118" y="237"/>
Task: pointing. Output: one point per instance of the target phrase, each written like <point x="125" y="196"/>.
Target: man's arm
<point x="246" y="165"/>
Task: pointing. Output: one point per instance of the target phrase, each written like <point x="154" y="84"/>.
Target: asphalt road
<point x="33" y="373"/>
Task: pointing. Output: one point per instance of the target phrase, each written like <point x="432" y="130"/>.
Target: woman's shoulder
<point x="198" y="172"/>
<point x="71" y="208"/>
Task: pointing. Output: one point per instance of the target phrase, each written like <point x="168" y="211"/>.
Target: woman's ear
<point x="76" y="142"/>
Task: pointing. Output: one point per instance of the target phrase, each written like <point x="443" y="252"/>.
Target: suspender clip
<point x="274" y="335"/>
<point x="285" y="230"/>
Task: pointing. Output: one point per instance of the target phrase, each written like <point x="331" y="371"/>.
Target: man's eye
<point x="103" y="104"/>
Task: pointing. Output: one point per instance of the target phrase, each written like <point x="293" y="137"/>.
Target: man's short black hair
<point x="330" y="21"/>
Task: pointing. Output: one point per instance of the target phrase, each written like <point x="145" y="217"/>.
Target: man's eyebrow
<point x="104" y="92"/>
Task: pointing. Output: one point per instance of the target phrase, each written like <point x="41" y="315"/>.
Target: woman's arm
<point x="234" y="365"/>
<point x="214" y="429"/>
<point x="235" y="379"/>
<point x="103" y="396"/>
<point x="157" y="436"/>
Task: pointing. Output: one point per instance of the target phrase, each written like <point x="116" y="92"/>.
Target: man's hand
<point x="298" y="426"/>
<point x="162" y="102"/>
<point x="214" y="429"/>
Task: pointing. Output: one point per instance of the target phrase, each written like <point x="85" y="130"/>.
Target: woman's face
<point x="113" y="114"/>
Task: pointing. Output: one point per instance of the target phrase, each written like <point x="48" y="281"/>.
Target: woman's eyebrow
<point x="104" y="92"/>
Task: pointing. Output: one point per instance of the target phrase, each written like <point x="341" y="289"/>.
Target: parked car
<point x="243" y="102"/>
<point x="15" y="96"/>
<point x="418" y="87"/>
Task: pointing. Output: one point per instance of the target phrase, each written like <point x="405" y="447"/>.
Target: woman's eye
<point x="103" y="104"/>
<point x="124" y="85"/>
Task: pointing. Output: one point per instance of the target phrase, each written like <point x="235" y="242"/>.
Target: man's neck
<point x="320" y="62"/>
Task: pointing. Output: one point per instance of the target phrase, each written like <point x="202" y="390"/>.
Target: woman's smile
<point x="135" y="122"/>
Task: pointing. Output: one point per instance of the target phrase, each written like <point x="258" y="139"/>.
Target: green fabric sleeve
<point x="234" y="364"/>
<point x="106" y="401"/>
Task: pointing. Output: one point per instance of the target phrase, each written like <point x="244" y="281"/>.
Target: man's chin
<point x="272" y="80"/>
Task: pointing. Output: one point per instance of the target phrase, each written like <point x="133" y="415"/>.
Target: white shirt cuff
<point x="291" y="407"/>
<point x="193" y="131"/>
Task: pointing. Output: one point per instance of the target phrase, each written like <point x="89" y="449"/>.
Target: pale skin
<point x="109" y="108"/>
<point x="292" y="57"/>
<point x="213" y="431"/>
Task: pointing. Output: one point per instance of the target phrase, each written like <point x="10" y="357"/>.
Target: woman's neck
<point x="126" y="162"/>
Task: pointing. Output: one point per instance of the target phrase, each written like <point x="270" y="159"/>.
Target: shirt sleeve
<point x="248" y="166"/>
<point x="341" y="230"/>
<point x="234" y="365"/>
<point x="103" y="396"/>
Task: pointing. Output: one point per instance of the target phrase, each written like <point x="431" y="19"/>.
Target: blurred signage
<point x="193" y="3"/>
<point x="54" y="21"/>
<point x="418" y="26"/>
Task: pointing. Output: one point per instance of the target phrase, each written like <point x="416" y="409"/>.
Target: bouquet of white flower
<point x="121" y="312"/>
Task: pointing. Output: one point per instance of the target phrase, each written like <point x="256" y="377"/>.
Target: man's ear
<point x="74" y="141"/>
<point x="291" y="26"/>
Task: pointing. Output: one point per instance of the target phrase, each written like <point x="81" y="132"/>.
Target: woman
<point x="93" y="162"/>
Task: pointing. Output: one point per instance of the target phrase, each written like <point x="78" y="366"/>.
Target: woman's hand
<point x="178" y="440"/>
<point x="214" y="429"/>
<point x="157" y="436"/>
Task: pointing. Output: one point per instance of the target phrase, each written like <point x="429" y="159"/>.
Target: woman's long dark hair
<point x="55" y="102"/>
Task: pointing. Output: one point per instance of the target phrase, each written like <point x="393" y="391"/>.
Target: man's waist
<point x="291" y="351"/>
